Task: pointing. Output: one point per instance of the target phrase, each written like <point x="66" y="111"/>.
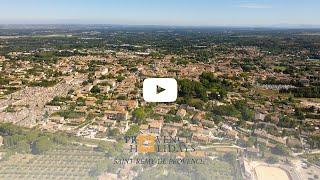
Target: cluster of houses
<point x="103" y="93"/>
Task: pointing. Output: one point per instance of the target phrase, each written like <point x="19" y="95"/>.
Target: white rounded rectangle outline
<point x="170" y="93"/>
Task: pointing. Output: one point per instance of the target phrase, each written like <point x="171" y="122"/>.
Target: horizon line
<point x="280" y="25"/>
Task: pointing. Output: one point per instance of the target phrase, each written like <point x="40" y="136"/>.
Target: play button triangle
<point x="160" y="89"/>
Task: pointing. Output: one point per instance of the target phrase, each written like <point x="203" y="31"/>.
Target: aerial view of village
<point x="248" y="101"/>
<point x="164" y="90"/>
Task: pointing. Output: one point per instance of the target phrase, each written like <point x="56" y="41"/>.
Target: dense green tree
<point x="95" y="89"/>
<point x="272" y="160"/>
<point x="281" y="150"/>
<point x="133" y="131"/>
<point x="42" y="145"/>
<point x="23" y="147"/>
<point x="139" y="114"/>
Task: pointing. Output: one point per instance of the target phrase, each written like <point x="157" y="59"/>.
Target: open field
<point x="70" y="162"/>
<point x="267" y="173"/>
<point x="270" y="93"/>
<point x="313" y="100"/>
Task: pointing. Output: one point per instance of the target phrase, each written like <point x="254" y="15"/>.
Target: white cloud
<point x="255" y="6"/>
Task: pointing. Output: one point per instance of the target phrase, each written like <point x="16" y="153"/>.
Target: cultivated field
<point x="71" y="162"/>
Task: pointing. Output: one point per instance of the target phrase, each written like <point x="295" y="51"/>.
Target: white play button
<point x="160" y="90"/>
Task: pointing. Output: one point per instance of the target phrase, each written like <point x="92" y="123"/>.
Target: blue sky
<point x="162" y="12"/>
